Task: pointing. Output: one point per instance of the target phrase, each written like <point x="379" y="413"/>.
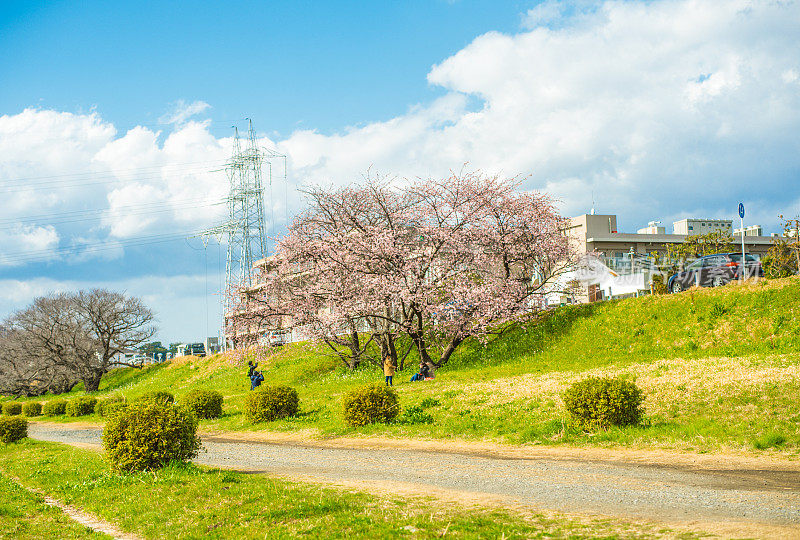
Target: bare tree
<point x="22" y="374"/>
<point x="64" y="338"/>
<point x="39" y="346"/>
<point x="115" y="323"/>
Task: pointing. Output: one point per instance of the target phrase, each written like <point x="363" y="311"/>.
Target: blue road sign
<point x="741" y="210"/>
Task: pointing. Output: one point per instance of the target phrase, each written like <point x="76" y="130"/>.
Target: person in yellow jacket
<point x="388" y="370"/>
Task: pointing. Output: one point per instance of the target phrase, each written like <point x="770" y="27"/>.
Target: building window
<point x="691" y="228"/>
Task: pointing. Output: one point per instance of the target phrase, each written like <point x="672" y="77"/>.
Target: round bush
<point x="603" y="402"/>
<point x="12" y="408"/>
<point x="12" y="429"/>
<point x="148" y="435"/>
<point x="81" y="406"/>
<point x="370" y="404"/>
<point x="269" y="403"/>
<point x="159" y="396"/>
<point x="109" y="405"/>
<point x="32" y="408"/>
<point x="204" y="404"/>
<point x="113" y="408"/>
<point x="55" y="407"/>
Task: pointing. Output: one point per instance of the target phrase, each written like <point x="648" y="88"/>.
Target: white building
<point x="653" y="227"/>
<point x="702" y="226"/>
<point x="752" y="230"/>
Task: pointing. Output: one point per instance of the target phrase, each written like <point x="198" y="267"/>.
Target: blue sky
<point x="322" y="65"/>
<point x="115" y="120"/>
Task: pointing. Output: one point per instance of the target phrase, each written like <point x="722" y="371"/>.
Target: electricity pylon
<point x="244" y="229"/>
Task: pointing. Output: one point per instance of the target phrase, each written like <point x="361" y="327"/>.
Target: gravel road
<point x="610" y="488"/>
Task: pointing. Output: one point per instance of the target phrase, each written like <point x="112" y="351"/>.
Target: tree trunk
<point x="391" y="349"/>
<point x="355" y="348"/>
<point x="91" y="383"/>
<point x="418" y="337"/>
<point x="351" y="360"/>
<point x="451" y="347"/>
<point x="384" y="350"/>
<point x="422" y="348"/>
<point x="797" y="254"/>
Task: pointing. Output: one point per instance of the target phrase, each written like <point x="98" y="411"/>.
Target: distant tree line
<point x="65" y="338"/>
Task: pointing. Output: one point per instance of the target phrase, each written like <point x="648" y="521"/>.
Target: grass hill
<point x="720" y="369"/>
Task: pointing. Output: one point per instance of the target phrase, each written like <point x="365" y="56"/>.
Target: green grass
<point x="191" y="502"/>
<point x="24" y="515"/>
<point x="718" y="366"/>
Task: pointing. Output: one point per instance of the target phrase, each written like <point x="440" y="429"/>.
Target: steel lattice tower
<point x="247" y="236"/>
<point x="244" y="229"/>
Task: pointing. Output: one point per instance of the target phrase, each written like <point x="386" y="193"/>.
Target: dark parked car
<point x="715" y="270"/>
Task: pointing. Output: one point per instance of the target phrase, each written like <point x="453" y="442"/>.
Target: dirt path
<point x="727" y="495"/>
<point x="86" y="519"/>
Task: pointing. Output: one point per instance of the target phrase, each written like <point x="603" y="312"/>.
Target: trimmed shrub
<point x="12" y="408"/>
<point x="269" y="403"/>
<point x="602" y="402"/>
<point x="13" y="429"/>
<point x="158" y="396"/>
<point x="370" y="404"/>
<point x="32" y="408"/>
<point x="204" y="404"/>
<point x="109" y="405"/>
<point x="55" y="407"/>
<point x="148" y="435"/>
<point x="113" y="408"/>
<point x="81" y="406"/>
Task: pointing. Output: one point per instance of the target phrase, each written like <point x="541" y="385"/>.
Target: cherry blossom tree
<point x="436" y="260"/>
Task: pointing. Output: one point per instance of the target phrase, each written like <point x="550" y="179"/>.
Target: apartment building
<point x="598" y="233"/>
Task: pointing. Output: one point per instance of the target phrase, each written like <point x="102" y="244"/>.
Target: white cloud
<point x="19" y="243"/>
<point x="658" y="107"/>
<point x="70" y="176"/>
<point x="662" y="109"/>
<point x="790" y="76"/>
<point x="182" y="111"/>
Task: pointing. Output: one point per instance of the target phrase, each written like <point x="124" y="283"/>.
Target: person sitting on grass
<point x="419" y="375"/>
<point x="426" y="371"/>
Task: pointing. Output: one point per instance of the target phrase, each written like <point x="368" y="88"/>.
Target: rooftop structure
<point x="752" y="230"/>
<point x="701" y="226"/>
<point x="653" y="227"/>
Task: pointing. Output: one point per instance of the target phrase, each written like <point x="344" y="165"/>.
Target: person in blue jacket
<point x="256" y="378"/>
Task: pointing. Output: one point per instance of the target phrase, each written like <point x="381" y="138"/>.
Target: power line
<point x="59" y="218"/>
<point x="42" y="255"/>
<point x="102" y="180"/>
<point x="115" y="173"/>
